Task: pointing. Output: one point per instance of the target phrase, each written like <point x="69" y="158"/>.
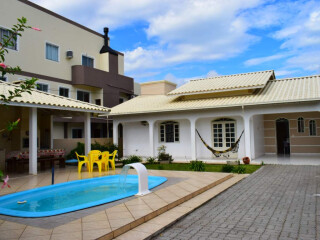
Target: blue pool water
<point x="71" y="196"/>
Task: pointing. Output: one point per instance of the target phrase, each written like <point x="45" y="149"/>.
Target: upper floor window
<point x="169" y="132"/>
<point x="312" y="128"/>
<point x="224" y="132"/>
<point x="87" y="61"/>
<point x="83" y="96"/>
<point x="4" y="35"/>
<point x="64" y="92"/>
<point x="52" y="52"/>
<point x="43" y="87"/>
<point x="300" y="125"/>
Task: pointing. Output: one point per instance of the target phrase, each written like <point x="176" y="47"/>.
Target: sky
<point x="179" y="40"/>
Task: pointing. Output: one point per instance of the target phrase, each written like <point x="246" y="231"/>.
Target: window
<point x="77" y="133"/>
<point x="98" y="102"/>
<point x="52" y="52"/>
<point x="224" y="133"/>
<point x="83" y="96"/>
<point x="42" y="87"/>
<point x="312" y="128"/>
<point x="63" y="92"/>
<point x="300" y="125"/>
<point x="87" y="61"/>
<point x="5" y="34"/>
<point x="169" y="132"/>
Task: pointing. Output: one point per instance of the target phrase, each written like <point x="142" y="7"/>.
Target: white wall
<point x="181" y="149"/>
<point x="257" y="136"/>
<point x="58" y="132"/>
<point x="136" y="139"/>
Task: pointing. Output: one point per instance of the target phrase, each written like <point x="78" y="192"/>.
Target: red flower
<point x="3" y="65"/>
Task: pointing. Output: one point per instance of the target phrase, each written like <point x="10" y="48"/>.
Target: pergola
<point x="52" y="103"/>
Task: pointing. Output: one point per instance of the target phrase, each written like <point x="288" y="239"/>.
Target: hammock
<point x="234" y="146"/>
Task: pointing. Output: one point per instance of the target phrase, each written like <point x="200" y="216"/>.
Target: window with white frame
<point x="300" y="125"/>
<point x="224" y="133"/>
<point x="83" y="96"/>
<point x="43" y="87"/>
<point x="169" y="132"/>
<point x="312" y="128"/>
<point x="77" y="133"/>
<point x="52" y="52"/>
<point x="63" y="92"/>
<point x="87" y="61"/>
<point x="4" y="35"/>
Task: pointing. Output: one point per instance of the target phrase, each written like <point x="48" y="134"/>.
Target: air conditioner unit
<point x="69" y="54"/>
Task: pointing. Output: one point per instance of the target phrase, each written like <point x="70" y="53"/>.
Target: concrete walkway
<point x="276" y="202"/>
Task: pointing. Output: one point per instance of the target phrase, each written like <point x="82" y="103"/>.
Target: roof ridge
<point x="237" y="74"/>
<point x="283" y="79"/>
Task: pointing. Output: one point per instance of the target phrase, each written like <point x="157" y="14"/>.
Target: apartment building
<point x="69" y="60"/>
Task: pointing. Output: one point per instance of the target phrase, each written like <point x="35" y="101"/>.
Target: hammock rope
<point x="217" y="153"/>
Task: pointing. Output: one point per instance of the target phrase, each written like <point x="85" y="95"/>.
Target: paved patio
<point x="183" y="192"/>
<point x="276" y="202"/>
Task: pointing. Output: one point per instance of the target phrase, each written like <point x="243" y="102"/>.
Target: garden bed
<point x="208" y="167"/>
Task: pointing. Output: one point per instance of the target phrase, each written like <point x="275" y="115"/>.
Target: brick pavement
<point x="277" y="202"/>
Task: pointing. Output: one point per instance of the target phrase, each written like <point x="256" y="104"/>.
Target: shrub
<point x="165" y="157"/>
<point x="151" y="160"/>
<point x="131" y="159"/>
<point x="227" y="168"/>
<point x="197" y="166"/>
<point x="239" y="169"/>
<point x="79" y="149"/>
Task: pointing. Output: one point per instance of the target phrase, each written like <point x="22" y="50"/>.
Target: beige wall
<point x="299" y="142"/>
<point x="69" y="144"/>
<point x="30" y="55"/>
<point x="157" y="87"/>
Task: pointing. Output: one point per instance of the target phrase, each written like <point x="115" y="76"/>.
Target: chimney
<point x="106" y="38"/>
<point x="106" y="48"/>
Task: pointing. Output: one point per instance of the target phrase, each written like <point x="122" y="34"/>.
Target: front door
<point x="283" y="137"/>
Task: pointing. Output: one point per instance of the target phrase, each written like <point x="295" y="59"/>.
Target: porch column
<point x="51" y="131"/>
<point x="151" y="133"/>
<point x="247" y="135"/>
<point x="87" y="133"/>
<point x="33" y="141"/>
<point x="193" y="138"/>
<point x="115" y="133"/>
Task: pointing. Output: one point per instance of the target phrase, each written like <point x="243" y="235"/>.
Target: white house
<point x="278" y="116"/>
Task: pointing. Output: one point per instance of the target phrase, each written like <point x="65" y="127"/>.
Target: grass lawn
<point x="209" y="167"/>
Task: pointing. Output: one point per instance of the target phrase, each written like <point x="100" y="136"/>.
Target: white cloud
<point x="212" y="73"/>
<point x="258" y="61"/>
<point x="184" y="31"/>
<point x="286" y="73"/>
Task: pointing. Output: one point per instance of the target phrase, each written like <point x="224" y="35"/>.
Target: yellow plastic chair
<point x="95" y="157"/>
<point x="82" y="160"/>
<point x="112" y="160"/>
<point x="105" y="159"/>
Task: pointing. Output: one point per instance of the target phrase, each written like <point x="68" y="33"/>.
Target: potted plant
<point x="246" y="160"/>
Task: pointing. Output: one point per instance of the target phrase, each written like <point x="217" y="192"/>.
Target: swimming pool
<point x="71" y="196"/>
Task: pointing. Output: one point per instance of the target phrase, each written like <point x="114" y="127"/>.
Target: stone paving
<point x="276" y="202"/>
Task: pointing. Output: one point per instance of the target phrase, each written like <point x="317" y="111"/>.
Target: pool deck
<point x="131" y="218"/>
